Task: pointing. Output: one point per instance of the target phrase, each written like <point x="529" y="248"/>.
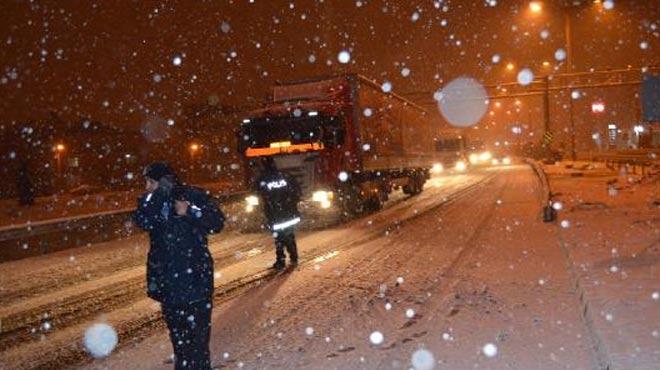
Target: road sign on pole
<point x="548" y="137"/>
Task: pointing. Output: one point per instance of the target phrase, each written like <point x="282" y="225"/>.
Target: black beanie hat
<point x="158" y="170"/>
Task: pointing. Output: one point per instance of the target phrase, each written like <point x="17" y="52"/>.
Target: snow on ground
<point x="470" y="280"/>
<point x="49" y="286"/>
<point x="614" y="244"/>
<point x="485" y="279"/>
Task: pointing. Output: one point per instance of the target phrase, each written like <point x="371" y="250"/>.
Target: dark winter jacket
<point x="280" y="194"/>
<point x="179" y="264"/>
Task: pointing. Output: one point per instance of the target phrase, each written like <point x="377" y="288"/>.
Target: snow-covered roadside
<point x="479" y="283"/>
<point x="609" y="224"/>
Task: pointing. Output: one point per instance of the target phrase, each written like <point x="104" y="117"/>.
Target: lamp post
<point x="59" y="152"/>
<point x="536" y="7"/>
<point x="194" y="149"/>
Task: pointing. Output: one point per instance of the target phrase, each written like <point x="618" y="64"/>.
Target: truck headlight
<point x="495" y="161"/>
<point x="323" y="197"/>
<point x="474" y="158"/>
<point x="506" y="160"/>
<point x="251" y="202"/>
<point x="437" y="168"/>
<point x="485" y="156"/>
<point x="460" y="166"/>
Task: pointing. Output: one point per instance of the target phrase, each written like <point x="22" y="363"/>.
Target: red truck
<point x="348" y="143"/>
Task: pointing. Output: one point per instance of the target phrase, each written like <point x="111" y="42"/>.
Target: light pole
<point x="59" y="151"/>
<point x="568" y="41"/>
<point x="194" y="148"/>
<point x="536" y="7"/>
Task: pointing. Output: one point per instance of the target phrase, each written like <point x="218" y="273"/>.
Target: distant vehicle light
<point x="474" y="158"/>
<point x="324" y="198"/>
<point x="251" y="202"/>
<point x="246" y="120"/>
<point x="485" y="156"/>
<point x="598" y="107"/>
<point x="506" y="160"/>
<point x="495" y="161"/>
<point x="313" y="113"/>
<point x="437" y="168"/>
<point x="460" y="166"/>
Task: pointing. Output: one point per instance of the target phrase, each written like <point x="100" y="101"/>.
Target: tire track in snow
<point x="360" y="269"/>
<point x="142" y="326"/>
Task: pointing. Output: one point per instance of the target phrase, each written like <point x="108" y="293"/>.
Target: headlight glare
<point x="252" y="200"/>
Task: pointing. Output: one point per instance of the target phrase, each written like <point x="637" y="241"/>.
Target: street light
<point x="535" y="7"/>
<point x="194" y="148"/>
<point x="59" y="151"/>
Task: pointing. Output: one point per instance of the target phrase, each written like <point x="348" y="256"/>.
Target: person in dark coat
<point x="280" y="194"/>
<point x="179" y="264"/>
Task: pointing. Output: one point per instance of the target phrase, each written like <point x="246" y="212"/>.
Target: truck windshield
<point x="274" y="131"/>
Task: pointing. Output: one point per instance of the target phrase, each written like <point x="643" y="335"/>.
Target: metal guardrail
<point x="548" y="213"/>
<point x="630" y="158"/>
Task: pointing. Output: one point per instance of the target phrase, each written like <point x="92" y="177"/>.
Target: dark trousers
<point x="190" y="331"/>
<point x="286" y="239"/>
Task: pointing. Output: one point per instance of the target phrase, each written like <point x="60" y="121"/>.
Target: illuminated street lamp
<point x="59" y="152"/>
<point x="535" y="7"/>
<point x="194" y="148"/>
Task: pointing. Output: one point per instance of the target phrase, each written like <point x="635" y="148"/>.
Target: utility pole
<point x="568" y="38"/>
<point x="570" y="117"/>
<point x="546" y="105"/>
<point x="569" y="67"/>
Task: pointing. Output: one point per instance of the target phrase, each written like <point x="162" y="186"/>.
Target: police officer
<point x="179" y="264"/>
<point x="280" y="195"/>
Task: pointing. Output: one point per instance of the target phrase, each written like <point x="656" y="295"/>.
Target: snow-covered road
<point x="478" y="270"/>
<point x="55" y="297"/>
<point x="465" y="273"/>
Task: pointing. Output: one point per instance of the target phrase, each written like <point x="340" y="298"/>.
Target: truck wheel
<point x="352" y="202"/>
<point x="373" y="204"/>
<point x="415" y="185"/>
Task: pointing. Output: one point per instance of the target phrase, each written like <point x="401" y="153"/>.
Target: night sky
<point x="112" y="61"/>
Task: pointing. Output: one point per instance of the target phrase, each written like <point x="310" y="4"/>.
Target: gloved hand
<point x="166" y="184"/>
